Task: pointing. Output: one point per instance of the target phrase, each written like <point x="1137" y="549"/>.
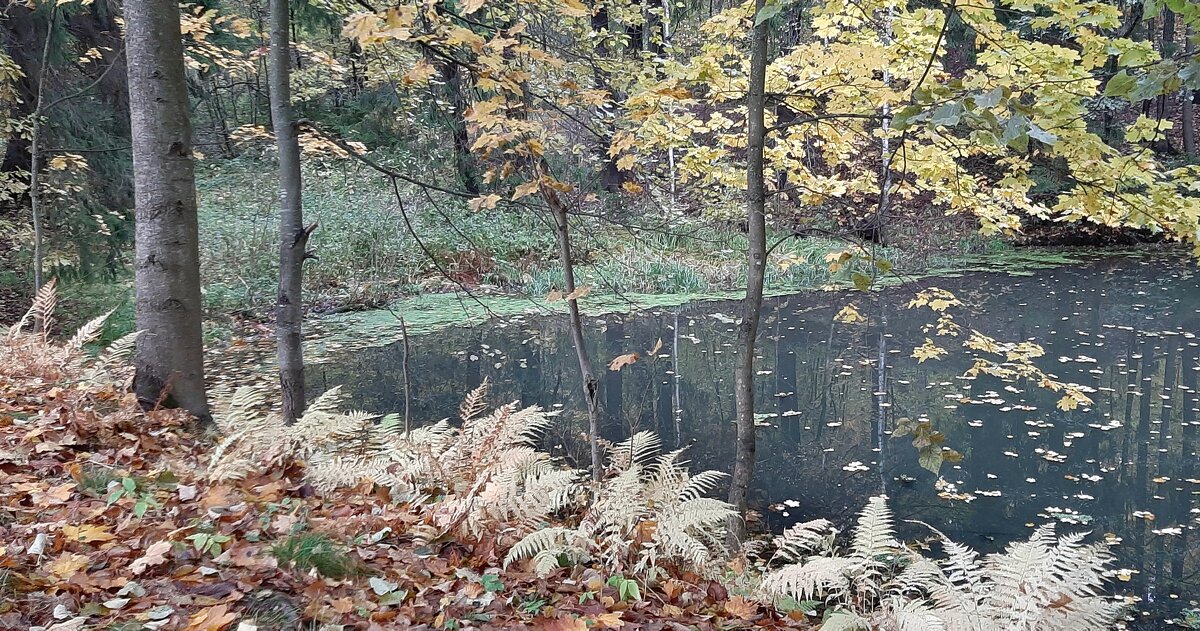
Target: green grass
<point x="367" y="254"/>
<point x="369" y="259"/>
<point x="79" y="302"/>
<point x="315" y="551"/>
<point x="95" y="479"/>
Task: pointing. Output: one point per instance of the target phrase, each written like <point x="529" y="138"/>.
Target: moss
<point x="433" y="312"/>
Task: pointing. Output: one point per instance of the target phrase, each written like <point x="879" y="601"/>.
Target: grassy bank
<point x="369" y="257"/>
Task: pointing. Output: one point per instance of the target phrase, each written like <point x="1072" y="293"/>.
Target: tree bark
<point x="293" y="236"/>
<point x="743" y="377"/>
<point x="1167" y="49"/>
<point x="586" y="376"/>
<point x="170" y="354"/>
<point x="611" y="177"/>
<point x="879" y="229"/>
<point x="35" y="168"/>
<point x="1151" y="30"/>
<point x="1188" y="110"/>
<point x="464" y="161"/>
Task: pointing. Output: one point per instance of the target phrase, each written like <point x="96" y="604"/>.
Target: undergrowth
<point x="464" y="522"/>
<point x="317" y="551"/>
<point x="368" y="257"/>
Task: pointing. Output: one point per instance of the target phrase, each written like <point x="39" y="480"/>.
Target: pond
<point x="831" y="393"/>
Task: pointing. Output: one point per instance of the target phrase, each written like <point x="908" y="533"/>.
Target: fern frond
<point x="42" y="308"/>
<point x="327" y="402"/>
<point x="475" y="402"/>
<point x="391" y="423"/>
<point x="545" y="562"/>
<point x="701" y="483"/>
<point x="121" y="349"/>
<point x="914" y="615"/>
<point x="874" y="534"/>
<point x="1046" y="583"/>
<point x="551" y="539"/>
<point x="844" y="620"/>
<point x="814" y="579"/>
<point x="805" y="538"/>
<point x="87" y="332"/>
<point x="639" y="449"/>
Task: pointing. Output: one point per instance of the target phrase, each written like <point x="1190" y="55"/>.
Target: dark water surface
<point x="832" y="392"/>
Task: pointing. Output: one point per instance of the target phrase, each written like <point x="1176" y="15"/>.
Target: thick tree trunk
<point x="293" y="237"/>
<point x="170" y="355"/>
<point x="611" y="177"/>
<point x="586" y="376"/>
<point x="743" y="377"/>
<point x="464" y="159"/>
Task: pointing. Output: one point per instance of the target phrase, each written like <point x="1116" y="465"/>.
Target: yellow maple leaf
<point x="54" y="495"/>
<point x="471" y="6"/>
<point x="526" y="189"/>
<point x="741" y="607"/>
<point x="67" y="565"/>
<point x="574" y="9"/>
<point x="156" y="554"/>
<point x="211" y="619"/>
<point x="849" y="315"/>
<point x="610" y="620"/>
<point x="361" y="27"/>
<point x="87" y="533"/>
<point x="485" y="202"/>
<point x="928" y="350"/>
<point x="420" y="73"/>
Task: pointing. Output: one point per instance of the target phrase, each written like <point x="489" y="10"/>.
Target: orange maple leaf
<point x="741" y="607"/>
<point x="211" y="619"/>
<point x="621" y="361"/>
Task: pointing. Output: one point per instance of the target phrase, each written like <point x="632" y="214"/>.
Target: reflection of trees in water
<point x="826" y="374"/>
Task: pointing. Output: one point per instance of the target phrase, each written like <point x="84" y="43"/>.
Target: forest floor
<point x="108" y="522"/>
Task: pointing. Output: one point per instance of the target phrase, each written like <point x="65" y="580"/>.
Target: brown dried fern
<point x="475" y="403"/>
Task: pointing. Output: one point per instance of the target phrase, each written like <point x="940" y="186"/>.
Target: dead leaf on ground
<point x="741" y="607"/>
<point x="156" y="554"/>
<point x="213" y="618"/>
